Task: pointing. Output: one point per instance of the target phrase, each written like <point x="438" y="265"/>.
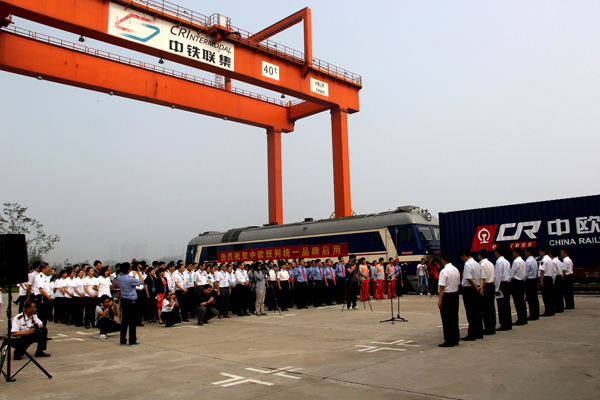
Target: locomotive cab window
<point x="405" y="234"/>
<point x="436" y="233"/>
<point x="374" y="237"/>
<point x="425" y="233"/>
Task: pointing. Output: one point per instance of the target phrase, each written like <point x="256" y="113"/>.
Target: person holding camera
<point x="105" y="317"/>
<point x="129" y="307"/>
<point x="169" y="303"/>
<point x="27" y="329"/>
<point x="206" y="308"/>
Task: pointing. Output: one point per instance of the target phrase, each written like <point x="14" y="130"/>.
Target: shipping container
<point x="572" y="224"/>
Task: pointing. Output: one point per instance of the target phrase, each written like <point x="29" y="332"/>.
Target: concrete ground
<point x="323" y="353"/>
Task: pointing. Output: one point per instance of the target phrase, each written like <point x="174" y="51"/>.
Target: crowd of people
<point x="131" y="294"/>
<point x="135" y="293"/>
<point x="484" y="285"/>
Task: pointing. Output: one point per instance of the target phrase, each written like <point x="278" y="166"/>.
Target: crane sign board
<point x="163" y="35"/>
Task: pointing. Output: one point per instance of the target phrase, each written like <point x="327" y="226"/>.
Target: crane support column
<point x="341" y="162"/>
<point x="274" y="176"/>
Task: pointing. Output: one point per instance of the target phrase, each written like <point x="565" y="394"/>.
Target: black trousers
<point x="129" y="320"/>
<point x="284" y="295"/>
<point x="449" y="314"/>
<point x="568" y="292"/>
<point x="107" y="326"/>
<point x="78" y="306"/>
<point x="270" y="295"/>
<point x="318" y="292"/>
<point x="547" y="290"/>
<point x="151" y="308"/>
<point x="517" y="288"/>
<point x="301" y="297"/>
<point x="224" y="301"/>
<point x="170" y="318"/>
<point x="352" y="290"/>
<point x="504" y="309"/>
<point x="559" y="304"/>
<point x="90" y="311"/>
<point x="191" y="300"/>
<point x="340" y="290"/>
<point x="531" y="288"/>
<point x="183" y="304"/>
<point x="241" y="305"/>
<point x="330" y="292"/>
<point x="43" y="308"/>
<point x="21" y="343"/>
<point x="473" y="302"/>
<point x="489" y="308"/>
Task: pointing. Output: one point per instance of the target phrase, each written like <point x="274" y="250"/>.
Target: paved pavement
<point x="323" y="353"/>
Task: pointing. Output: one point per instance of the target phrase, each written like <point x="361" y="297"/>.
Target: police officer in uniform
<point x="448" y="301"/>
<point x="301" y="284"/>
<point x="340" y="281"/>
<point x="27" y="329"/>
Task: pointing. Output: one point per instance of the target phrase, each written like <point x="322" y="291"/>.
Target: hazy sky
<point x="465" y="104"/>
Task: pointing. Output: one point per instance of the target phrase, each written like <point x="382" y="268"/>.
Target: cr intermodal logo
<point x="485" y="235"/>
<point x="140" y="34"/>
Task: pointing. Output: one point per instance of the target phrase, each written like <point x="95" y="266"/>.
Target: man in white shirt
<point x="181" y="291"/>
<point x="502" y="280"/>
<point x="559" y="304"/>
<point x="546" y="271"/>
<point x="243" y="289"/>
<point x="448" y="301"/>
<point x="567" y="280"/>
<point x="223" y="290"/>
<point x="517" y="286"/>
<point x="472" y="289"/>
<point x="26" y="329"/>
<point x="42" y="295"/>
<point x="189" y="275"/>
<point x="531" y="284"/>
<point x="489" y="299"/>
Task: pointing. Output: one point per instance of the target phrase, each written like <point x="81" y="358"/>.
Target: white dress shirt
<point x="103" y="286"/>
<point x="200" y="278"/>
<point x="547" y="266"/>
<point x="241" y="276"/>
<point x="222" y="278"/>
<point x="502" y="272"/>
<point x="559" y="266"/>
<point x="472" y="270"/>
<point x="179" y="279"/>
<point x="21" y="323"/>
<point x="568" y="265"/>
<point x="518" y="269"/>
<point x="487" y="270"/>
<point x="449" y="278"/>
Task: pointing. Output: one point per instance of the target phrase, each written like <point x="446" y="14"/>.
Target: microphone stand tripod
<point x="398" y="317"/>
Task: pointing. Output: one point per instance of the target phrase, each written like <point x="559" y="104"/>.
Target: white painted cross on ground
<point x="238" y="380"/>
<point x="373" y="349"/>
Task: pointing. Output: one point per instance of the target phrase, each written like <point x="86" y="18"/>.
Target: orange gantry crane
<point x="209" y="43"/>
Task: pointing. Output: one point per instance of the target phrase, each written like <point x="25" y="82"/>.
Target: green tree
<point x="14" y="220"/>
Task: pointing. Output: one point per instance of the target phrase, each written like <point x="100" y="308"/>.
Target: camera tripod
<point x="5" y="348"/>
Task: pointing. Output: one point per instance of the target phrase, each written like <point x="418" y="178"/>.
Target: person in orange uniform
<point x="380" y="276"/>
<point x="390" y="274"/>
<point x="363" y="276"/>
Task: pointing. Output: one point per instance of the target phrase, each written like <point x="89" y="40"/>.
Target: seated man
<point x="105" y="317"/>
<point x="206" y="301"/>
<point x="27" y="329"/>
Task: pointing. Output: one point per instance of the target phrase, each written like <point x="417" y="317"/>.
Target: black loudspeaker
<point x="13" y="259"/>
